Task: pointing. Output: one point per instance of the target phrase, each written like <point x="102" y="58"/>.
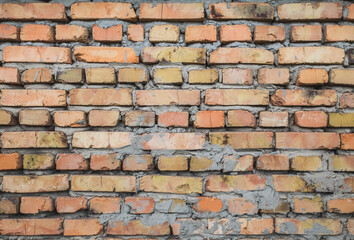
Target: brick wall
<point x="199" y="120"/>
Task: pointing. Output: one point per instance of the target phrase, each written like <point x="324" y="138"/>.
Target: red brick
<point x="103" y="118"/>
<point x="313" y="76"/>
<point x="273" y="119"/>
<point x="71" y="33"/>
<point x="267" y="33"/>
<point x="235" y="33"/>
<point x="171" y="12"/>
<point x="241" y="55"/>
<point x="306" y="33"/>
<point x="273" y="162"/>
<point x="139" y="119"/>
<point x="240" y="206"/>
<point x="70" y="119"/>
<point x="209" y="119"/>
<point x="290" y="183"/>
<point x="37" y="33"/>
<point x="308" y="205"/>
<point x="339" y="33"/>
<point x="105" y="205"/>
<point x="310" y="55"/>
<point x="71" y="161"/>
<point x="173" y="141"/>
<point x="240" y="118"/>
<point x="9" y="75"/>
<point x="9" y="33"/>
<point x="137" y="227"/>
<point x="277" y="76"/>
<point x="92" y="54"/>
<point x="138" y="163"/>
<point x="347" y="141"/>
<point x="229" y="97"/>
<point x="82" y="227"/>
<point x="346" y="100"/>
<point x="200" y="33"/>
<point x="242" y="140"/>
<point x="33" y="11"/>
<point x="103" y="183"/>
<point x="10" y="161"/>
<point x="35" y="205"/>
<point x="30" y="227"/>
<point x="185" y="55"/>
<point x="307" y="140"/>
<point x="311" y="119"/>
<point x="37" y="54"/>
<point x="242" y="164"/>
<point x="140" y="205"/>
<point x="101" y="97"/>
<point x="103" y="10"/>
<point x="101" y="139"/>
<point x="330" y="226"/>
<point x="173" y="119"/>
<point x="71" y="204"/>
<point x="208" y="204"/>
<point x="341" y="205"/>
<point x="136" y="33"/>
<point x="167" y="97"/>
<point x="105" y="162"/>
<point x="9" y="205"/>
<point x="7" y="118"/>
<point x="302" y="97"/>
<point x="237" y="76"/>
<point x="231" y="183"/>
<point x="109" y="34"/>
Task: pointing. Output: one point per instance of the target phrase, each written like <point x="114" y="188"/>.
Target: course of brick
<point x="177" y="120"/>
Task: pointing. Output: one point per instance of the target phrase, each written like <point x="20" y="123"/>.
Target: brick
<point x="132" y="75"/>
<point x="173" y="119"/>
<point x="93" y="54"/>
<point x="173" y="163"/>
<point x="101" y="139"/>
<point x="267" y="33"/>
<point x="341" y="205"/>
<point x="100" y="76"/>
<point x="282" y="207"/>
<point x="138" y="163"/>
<point x="346" y="100"/>
<point x="36" y="33"/>
<point x="33" y="11"/>
<point x="307" y="226"/>
<point x="30" y="227"/>
<point x="350" y="16"/>
<point x="273" y="119"/>
<point x="341" y="119"/>
<point x="277" y="76"/>
<point x="103" y="10"/>
<point x="164" y="33"/>
<point x="242" y="140"/>
<point x="341" y="163"/>
<point x="350" y="54"/>
<point x="200" y="164"/>
<point x="7" y="118"/>
<point x="9" y="33"/>
<point x="35" y="205"/>
<point x="229" y="97"/>
<point x="38" y="161"/>
<point x="171" y="184"/>
<point x="306" y="163"/>
<point x="314" y="76"/>
<point x="347" y="141"/>
<point x="306" y="140"/>
<point x="185" y="55"/>
<point x="35" y="183"/>
<point x="9" y="75"/>
<point x="136" y="33"/>
<point x="34" y="139"/>
<point x="307" y="205"/>
<point x="71" y="161"/>
<point x="311" y="119"/>
<point x="306" y="33"/>
<point x="139" y="119"/>
<point x="181" y="227"/>
<point x="235" y="33"/>
<point x="37" y="54"/>
<point x="168" y="76"/>
<point x="37" y="75"/>
<point x="140" y="205"/>
<point x="302" y="97"/>
<point x="103" y="118"/>
<point x="240" y="118"/>
<point x="203" y="76"/>
<point x="173" y="141"/>
<point x="137" y="227"/>
<point x="348" y="184"/>
<point x="200" y="33"/>
<point x="242" y="164"/>
<point x="82" y="227"/>
<point x="107" y="35"/>
<point x="350" y="223"/>
<point x="101" y="205"/>
<point x="209" y="119"/>
<point x="172" y="205"/>
<point x="35" y="117"/>
<point x="241" y="11"/>
<point x="101" y="97"/>
<point x="342" y="77"/>
<point x="105" y="162"/>
<point x="168" y="97"/>
<point x="273" y="162"/>
<point x="71" y="76"/>
<point x="310" y="55"/>
<point x="237" y="76"/>
<point x="240" y="206"/>
<point x="339" y="33"/>
<point x="71" y="204"/>
<point x="10" y="161"/>
<point x="171" y="12"/>
<point x="231" y="183"/>
<point x="235" y="55"/>
<point x="290" y="183"/>
<point x="208" y="204"/>
<point x="103" y="183"/>
<point x="70" y="119"/>
<point x="322" y="11"/>
<point x="9" y="205"/>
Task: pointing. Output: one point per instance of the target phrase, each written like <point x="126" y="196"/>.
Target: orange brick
<point x="273" y="119"/>
<point x="242" y="140"/>
<point x="173" y="119"/>
<point x="101" y="97"/>
<point x="208" y="204"/>
<point x="37" y="33"/>
<point x="346" y="100"/>
<point x="103" y="183"/>
<point x="136" y="227"/>
<point x="71" y="161"/>
<point x="310" y="55"/>
<point x="7" y="118"/>
<point x="237" y="76"/>
<point x="307" y="140"/>
<point x="341" y="205"/>
<point x="241" y="55"/>
<point x="209" y="119"/>
<point x="229" y="97"/>
<point x="267" y="33"/>
<point x="136" y="33"/>
<point x="92" y="54"/>
<point x="140" y="205"/>
<point x="70" y="119"/>
<point x="173" y="141"/>
<point x="9" y="33"/>
<point x="37" y="75"/>
<point x="105" y="205"/>
<point x="103" y="118"/>
<point x="242" y="164"/>
<point x="330" y="226"/>
<point x="200" y="33"/>
<point x="241" y="11"/>
<point x="171" y="12"/>
<point x="173" y="163"/>
<point x="240" y="206"/>
<point x="105" y="162"/>
<point x="302" y="97"/>
<point x="311" y="119"/>
<point x="339" y="33"/>
<point x="277" y="76"/>
<point x="350" y="16"/>
<point x="164" y="33"/>
<point x="306" y="33"/>
<point x="9" y="205"/>
<point x="315" y="76"/>
<point x="109" y="34"/>
<point x="71" y="204"/>
<point x="307" y="205"/>
<point x="235" y="33"/>
<point x="347" y="141"/>
<point x="138" y="163"/>
<point x="30" y="227"/>
<point x="35" y="205"/>
<point x="139" y="119"/>
<point x="71" y="33"/>
<point x="82" y="227"/>
<point x="240" y="118"/>
<point x="9" y="75"/>
<point x="35" y="117"/>
<point x="273" y="162"/>
<point x="101" y="139"/>
<point x="10" y="161"/>
<point x="231" y="183"/>
<point x="167" y="97"/>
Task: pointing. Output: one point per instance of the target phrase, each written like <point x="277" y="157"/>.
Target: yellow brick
<point x="132" y="75"/>
<point x="341" y="119"/>
<point x="204" y="76"/>
<point x="168" y="76"/>
<point x="164" y="33"/>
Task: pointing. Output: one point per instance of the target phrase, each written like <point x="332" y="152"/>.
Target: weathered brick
<point x="242" y="140"/>
<point x="350" y="223"/>
<point x="323" y="11"/>
<point x="307" y="140"/>
<point x="237" y="76"/>
<point x="132" y="75"/>
<point x="105" y="162"/>
<point x="173" y="141"/>
<point x="100" y="76"/>
<point x="314" y="76"/>
<point x="306" y="33"/>
<point x="341" y="119"/>
<point x="339" y="33"/>
<point x="273" y="119"/>
<point x="307" y="205"/>
<point x="342" y="77"/>
<point x="103" y="118"/>
<point x="171" y="11"/>
<point x="37" y="75"/>
<point x="70" y="119"/>
<point x="136" y="32"/>
<point x="82" y="227"/>
<point x="9" y="75"/>
<point x="282" y="207"/>
<point x="9" y="205"/>
<point x="108" y="35"/>
<point x="306" y="163"/>
<point x="208" y="204"/>
<point x="168" y="76"/>
<point x="308" y="226"/>
<point x="310" y="55"/>
<point x="92" y="54"/>
<point x="242" y="164"/>
<point x="273" y="162"/>
<point x="139" y="119"/>
<point x="268" y="33"/>
<point x="137" y="227"/>
<point x="231" y="183"/>
<point x="181" y="227"/>
<point x="101" y="139"/>
<point x="302" y="97"/>
<point x="105" y="205"/>
<point x="164" y="33"/>
<point x="10" y="161"/>
<point x="277" y="76"/>
<point x="140" y="205"/>
<point x="35" y="183"/>
<point x="36" y="33"/>
<point x="200" y="33"/>
<point x="290" y="183"/>
<point x="311" y="119"/>
<point x="35" y="117"/>
<point x="37" y="54"/>
<point x="71" y="76"/>
<point x="173" y="163"/>
<point x="101" y="97"/>
<point x="7" y="118"/>
<point x="235" y="55"/>
<point x="35" y="205"/>
<point x="173" y="119"/>
<point x="203" y="76"/>
<point x="30" y="227"/>
<point x="347" y="141"/>
<point x="346" y="100"/>
<point x="209" y="119"/>
<point x="167" y="97"/>
<point x="350" y="54"/>
<point x="341" y="205"/>
<point x="171" y="184"/>
<point x="235" y="33"/>
<point x="38" y="161"/>
<point x="9" y="33"/>
<point x="103" y="10"/>
<point x="240" y="118"/>
<point x="241" y="11"/>
<point x="341" y="163"/>
<point x="70" y="204"/>
<point x="138" y="163"/>
<point x="172" y="205"/>
<point x="229" y="97"/>
<point x="186" y="55"/>
<point x="103" y="183"/>
<point x="71" y="161"/>
<point x="200" y="164"/>
<point x="240" y="206"/>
